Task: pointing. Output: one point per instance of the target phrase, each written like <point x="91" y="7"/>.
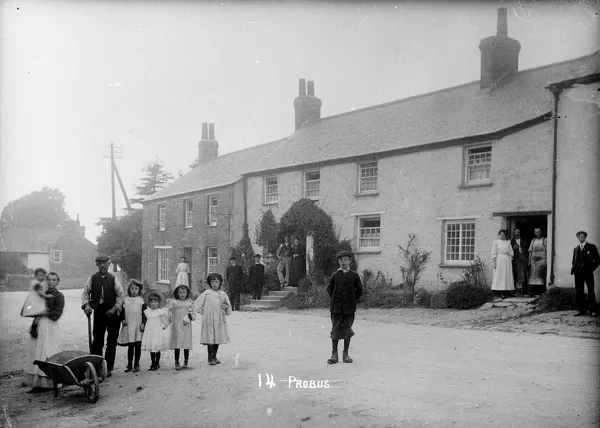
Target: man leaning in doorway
<point x="284" y="254"/>
<point x="585" y="261"/>
<point x="103" y="296"/>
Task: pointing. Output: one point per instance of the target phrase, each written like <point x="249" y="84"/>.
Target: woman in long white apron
<point x="502" y="255"/>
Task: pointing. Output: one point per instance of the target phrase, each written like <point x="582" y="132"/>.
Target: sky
<point x="77" y="75"/>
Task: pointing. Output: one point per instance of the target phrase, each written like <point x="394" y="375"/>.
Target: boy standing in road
<point x="345" y="288"/>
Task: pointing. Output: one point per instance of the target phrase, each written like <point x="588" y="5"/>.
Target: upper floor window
<point x="57" y="256"/>
<point x="271" y="190"/>
<point x="460" y="242"/>
<point x="367" y="177"/>
<point x="212" y="210"/>
<point x="478" y="164"/>
<point x="312" y="184"/>
<point x="162" y="217"/>
<point x="189" y="211"/>
<point x="369" y="232"/>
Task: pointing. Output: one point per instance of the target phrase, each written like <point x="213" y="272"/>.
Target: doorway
<point x="527" y="224"/>
<point x="187" y="253"/>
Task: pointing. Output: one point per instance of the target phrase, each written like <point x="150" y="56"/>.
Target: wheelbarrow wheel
<point x="92" y="390"/>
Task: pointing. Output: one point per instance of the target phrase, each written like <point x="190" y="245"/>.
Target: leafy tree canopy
<point x="155" y="178"/>
<point x="266" y="232"/>
<point x="121" y="239"/>
<point x="41" y="209"/>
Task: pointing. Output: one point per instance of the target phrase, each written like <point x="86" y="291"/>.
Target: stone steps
<point x="509" y="303"/>
<point x="270" y="300"/>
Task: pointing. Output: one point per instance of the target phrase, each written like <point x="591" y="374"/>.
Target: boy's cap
<point x="257" y="256"/>
<point x="233" y="258"/>
<point x="102" y="258"/>
<point x="581" y="232"/>
<point x="344" y="253"/>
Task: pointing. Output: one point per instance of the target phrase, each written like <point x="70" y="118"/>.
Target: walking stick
<point x="89" y="317"/>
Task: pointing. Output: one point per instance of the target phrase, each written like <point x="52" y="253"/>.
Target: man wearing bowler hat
<point x="234" y="275"/>
<point x="103" y="296"/>
<point x="585" y="262"/>
<point x="344" y="288"/>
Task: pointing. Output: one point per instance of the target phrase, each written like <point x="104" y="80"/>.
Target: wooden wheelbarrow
<point x="76" y="368"/>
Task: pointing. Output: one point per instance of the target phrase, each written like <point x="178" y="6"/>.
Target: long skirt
<point x="182" y="279"/>
<point x="503" y="276"/>
<point x="46" y="345"/>
<point x="537" y="275"/>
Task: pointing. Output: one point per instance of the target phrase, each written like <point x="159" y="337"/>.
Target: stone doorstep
<point x="272" y="298"/>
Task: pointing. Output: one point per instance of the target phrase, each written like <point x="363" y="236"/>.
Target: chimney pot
<point x="211" y="131"/>
<point x="205" y="131"/>
<point x="311" y="88"/>
<point x="302" y="87"/>
<point x="502" y="22"/>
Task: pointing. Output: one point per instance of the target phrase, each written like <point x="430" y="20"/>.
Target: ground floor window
<point x="164" y="264"/>
<point x="369" y="232"/>
<point x="213" y="260"/>
<point x="460" y="241"/>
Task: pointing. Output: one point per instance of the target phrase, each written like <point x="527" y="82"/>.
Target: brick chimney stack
<point x="499" y="54"/>
<point x="308" y="107"/>
<point x="208" y="148"/>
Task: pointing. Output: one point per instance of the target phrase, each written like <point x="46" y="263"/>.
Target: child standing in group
<point x="156" y="335"/>
<point x="37" y="297"/>
<point x="132" y="317"/>
<point x="214" y="305"/>
<point x="182" y="313"/>
<point x="344" y="288"/>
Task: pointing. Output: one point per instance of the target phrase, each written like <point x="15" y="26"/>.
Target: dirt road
<point x="403" y="376"/>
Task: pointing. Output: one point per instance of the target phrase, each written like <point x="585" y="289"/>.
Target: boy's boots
<point x="334" y="354"/>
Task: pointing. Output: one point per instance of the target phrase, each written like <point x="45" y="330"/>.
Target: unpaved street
<point x="403" y="376"/>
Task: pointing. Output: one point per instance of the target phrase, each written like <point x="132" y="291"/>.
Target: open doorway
<point x="527" y="224"/>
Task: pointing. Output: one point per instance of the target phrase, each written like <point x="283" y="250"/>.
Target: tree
<point x="40" y="209"/>
<point x="266" y="232"/>
<point x="155" y="179"/>
<point x="245" y="255"/>
<point x="121" y="239"/>
<point x="10" y="263"/>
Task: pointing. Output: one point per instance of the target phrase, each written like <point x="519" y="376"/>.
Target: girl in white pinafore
<point x="502" y="255"/>
<point x="132" y="317"/>
<point x="182" y="314"/>
<point x="157" y="335"/>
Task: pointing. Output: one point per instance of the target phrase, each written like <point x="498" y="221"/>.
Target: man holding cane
<point x="103" y="296"/>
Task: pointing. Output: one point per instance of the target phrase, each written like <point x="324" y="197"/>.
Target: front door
<point x="187" y="253"/>
<point x="527" y="224"/>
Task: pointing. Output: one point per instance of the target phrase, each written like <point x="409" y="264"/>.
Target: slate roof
<point x="21" y="240"/>
<point x="450" y="114"/>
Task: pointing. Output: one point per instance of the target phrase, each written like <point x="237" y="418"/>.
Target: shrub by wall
<point x="556" y="299"/>
<point x="422" y="297"/>
<point x="463" y="295"/>
<point x="438" y="299"/>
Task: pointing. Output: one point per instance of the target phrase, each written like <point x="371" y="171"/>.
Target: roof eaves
<point x="469" y="139"/>
<point x="583" y="80"/>
<point x="188" y="192"/>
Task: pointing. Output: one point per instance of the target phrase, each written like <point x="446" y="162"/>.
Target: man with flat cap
<point x="585" y="261"/>
<point x="104" y="296"/>
<point x="345" y="288"/>
<point x="234" y="275"/>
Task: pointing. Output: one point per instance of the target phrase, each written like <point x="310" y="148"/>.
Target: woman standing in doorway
<point x="502" y="255"/>
<point x="537" y="261"/>
<point x="183" y="269"/>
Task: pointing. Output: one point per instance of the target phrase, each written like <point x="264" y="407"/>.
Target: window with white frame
<point x="212" y="260"/>
<point x="212" y="210"/>
<point x="164" y="264"/>
<point x="460" y="241"/>
<point x="369" y="232"/>
<point x="188" y="209"/>
<point x="57" y="256"/>
<point x="312" y="184"/>
<point x="478" y="164"/>
<point x="162" y="217"/>
<point x="271" y="190"/>
<point x="367" y="177"/>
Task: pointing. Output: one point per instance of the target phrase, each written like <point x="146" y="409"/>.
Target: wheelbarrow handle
<point x="89" y="323"/>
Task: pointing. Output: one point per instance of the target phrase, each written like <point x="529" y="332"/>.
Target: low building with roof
<point x="451" y="167"/>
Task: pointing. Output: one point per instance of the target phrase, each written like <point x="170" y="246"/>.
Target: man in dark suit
<point x="585" y="261"/>
<point x="234" y="275"/>
<point x="520" y="261"/>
